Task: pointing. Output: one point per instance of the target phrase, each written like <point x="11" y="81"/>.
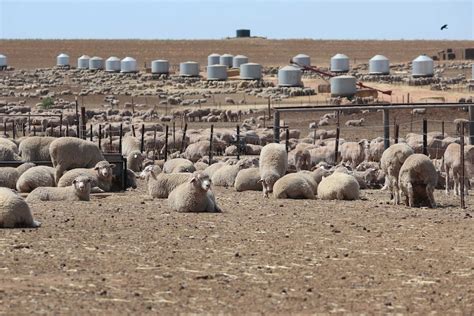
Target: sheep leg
<point x="59" y="172"/>
<point x="456" y="180"/>
<point x="429" y="192"/>
<point x="97" y="190"/>
<point x="446" y="168"/>
<point x="395" y="191"/>
<point x="410" y="195"/>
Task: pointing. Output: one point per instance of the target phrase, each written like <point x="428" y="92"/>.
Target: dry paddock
<point x="126" y="253"/>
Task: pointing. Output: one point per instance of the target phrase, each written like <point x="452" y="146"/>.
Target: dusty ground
<point x="128" y="254"/>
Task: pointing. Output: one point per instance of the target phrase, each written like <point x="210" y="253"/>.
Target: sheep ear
<point x="112" y="165"/>
<point x="260" y="181"/>
<point x="193" y="179"/>
<point x="96" y="168"/>
<point x="74" y="181"/>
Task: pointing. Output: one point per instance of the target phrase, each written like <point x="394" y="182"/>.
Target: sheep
<point x="8" y="154"/>
<point x="35" y="148"/>
<point x="355" y="122"/>
<point x="39" y="176"/>
<point x="248" y="180"/>
<point x="5" y="142"/>
<point x="178" y="165"/>
<point x="68" y="153"/>
<point x="9" y="175"/>
<point x="229" y="100"/>
<point x="79" y="191"/>
<point x="101" y="175"/>
<point x="391" y="162"/>
<point x="418" y="111"/>
<point x="129" y="144"/>
<point x="14" y="211"/>
<point x="417" y="180"/>
<point x="194" y="195"/>
<point x="459" y="122"/>
<point x="294" y="186"/>
<point x="131" y="182"/>
<point x="452" y="166"/>
<point x="273" y="165"/>
<point x="135" y="160"/>
<point x="199" y="165"/>
<point x="323" y="122"/>
<point x="338" y="186"/>
<point x="302" y="157"/>
<point x="159" y="185"/>
<point x="375" y="150"/>
<point x="354" y="152"/>
<point x="210" y="170"/>
<point x="225" y="176"/>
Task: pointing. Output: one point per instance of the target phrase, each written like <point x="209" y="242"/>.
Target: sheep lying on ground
<point x="194" y="195"/>
<point x="295" y="186"/>
<point x="452" y="166"/>
<point x="135" y="160"/>
<point x="159" y="184"/>
<point x="131" y="182"/>
<point x="391" y="162"/>
<point x="8" y="154"/>
<point x="79" y="191"/>
<point x="273" y="165"/>
<point x="338" y="186"/>
<point x="39" y="176"/>
<point x="69" y="153"/>
<point x="178" y="165"/>
<point x="14" y="211"/>
<point x="225" y="176"/>
<point x="417" y="180"/>
<point x="9" y="175"/>
<point x="101" y="176"/>
<point x="355" y="122"/>
<point x="248" y="180"/>
<point x="35" y="148"/>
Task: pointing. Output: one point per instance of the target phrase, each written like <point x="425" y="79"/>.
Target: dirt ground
<point x="128" y="254"/>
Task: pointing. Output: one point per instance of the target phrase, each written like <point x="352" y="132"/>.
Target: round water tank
<point x="239" y="60"/>
<point x="62" y="60"/>
<point x="289" y="76"/>
<point x="343" y="86"/>
<point x="339" y="63"/>
<point x="422" y="66"/>
<point x="3" y="60"/>
<point x="227" y="60"/>
<point x="302" y="59"/>
<point x="251" y="71"/>
<point x="96" y="63"/>
<point x="379" y="65"/>
<point x="128" y="64"/>
<point x="160" y="66"/>
<point x="213" y="59"/>
<point x="83" y="62"/>
<point x="217" y="72"/>
<point x="189" y="69"/>
<point x="112" y="64"/>
<point x="242" y="33"/>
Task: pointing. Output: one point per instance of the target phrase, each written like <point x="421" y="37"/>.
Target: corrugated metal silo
<point x="251" y="71"/>
<point x="62" y="60"/>
<point x="217" y="72"/>
<point x="160" y="66"/>
<point x="422" y="66"/>
<point x="96" y="63"/>
<point x="343" y="86"/>
<point x="339" y="63"/>
<point x="213" y="59"/>
<point x="128" y="64"/>
<point x="227" y="60"/>
<point x="239" y="60"/>
<point x="302" y="59"/>
<point x="289" y="76"/>
<point x="189" y="69"/>
<point x="83" y="62"/>
<point x="379" y="65"/>
<point x="112" y="64"/>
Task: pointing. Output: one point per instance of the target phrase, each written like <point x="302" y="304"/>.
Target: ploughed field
<point x="126" y="253"/>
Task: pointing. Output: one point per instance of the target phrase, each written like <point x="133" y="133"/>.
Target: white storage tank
<point x="160" y="66"/>
<point x="339" y="63"/>
<point x="227" y="60"/>
<point x="96" y="63"/>
<point x="128" y="64"/>
<point x="189" y="69"/>
<point x="289" y="76"/>
<point x="302" y="59"/>
<point x="217" y="72"/>
<point x="213" y="59"/>
<point x="343" y="86"/>
<point x="251" y="71"/>
<point x="422" y="66"/>
<point x="3" y="61"/>
<point x="239" y="60"/>
<point x="379" y="65"/>
<point x="112" y="64"/>
<point x="83" y="62"/>
<point x="62" y="60"/>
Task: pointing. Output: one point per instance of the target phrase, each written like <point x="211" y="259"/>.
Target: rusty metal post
<point x="397" y="131"/>
<point x="61" y="125"/>
<point x="184" y="138"/>
<point x="142" y="142"/>
<point x="91" y="133"/>
<point x="336" y="149"/>
<point x="471" y="124"/>
<point x="100" y="136"/>
<point x="442" y="128"/>
<point x="166" y="142"/>
<point x="238" y="141"/>
<point x="133" y="131"/>
<point x="287" y="139"/>
<point x="110" y="137"/>
<point x="77" y="118"/>
<point x="210" y="144"/>
<point x="34" y="130"/>
<point x="67" y="129"/>
<point x="120" y="138"/>
<point x="425" y="137"/>
<point x="276" y="127"/>
<point x="386" y="128"/>
<point x="174" y="136"/>
<point x="83" y="119"/>
<point x="463" y="203"/>
<point x="14" y="129"/>
<point x="154" y="143"/>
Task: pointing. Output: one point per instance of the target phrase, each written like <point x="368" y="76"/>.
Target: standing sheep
<point x="79" y="191"/>
<point x="338" y="186"/>
<point x="14" y="211"/>
<point x="9" y="175"/>
<point x="35" y="148"/>
<point x="354" y="152"/>
<point x="417" y="180"/>
<point x="273" y="166"/>
<point x="39" y="176"/>
<point x="391" y="162"/>
<point x="452" y="165"/>
<point x="69" y="153"/>
<point x="194" y="195"/>
<point x="101" y="176"/>
<point x="302" y="157"/>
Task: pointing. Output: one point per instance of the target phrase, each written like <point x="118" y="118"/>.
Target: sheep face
<point x="201" y="181"/>
<point x="82" y="184"/>
<point x="267" y="183"/>
<point x="146" y="172"/>
<point x="104" y="171"/>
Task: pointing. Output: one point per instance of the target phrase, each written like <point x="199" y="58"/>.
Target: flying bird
<point x="444" y="27"/>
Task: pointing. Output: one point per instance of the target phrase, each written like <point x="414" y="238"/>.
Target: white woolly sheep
<point x="391" y="162"/>
<point x="211" y="169"/>
<point x="273" y="165"/>
<point x="302" y="157"/>
<point x="35" y="148"/>
<point x="14" y="211"/>
<point x="225" y="176"/>
<point x="101" y="176"/>
<point x="178" y="165"/>
<point x="129" y="144"/>
<point x="248" y="180"/>
<point x="200" y="166"/>
<point x="452" y="166"/>
<point x="9" y="175"/>
<point x="79" y="191"/>
<point x="159" y="184"/>
<point x="417" y="181"/>
<point x="354" y="152"/>
<point x="39" y="176"/>
<point x="355" y="122"/>
<point x="294" y="186"/>
<point x="135" y="160"/>
<point x="69" y="153"/>
<point x="8" y="154"/>
<point x="5" y="142"/>
<point x="338" y="186"/>
<point x="194" y="195"/>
